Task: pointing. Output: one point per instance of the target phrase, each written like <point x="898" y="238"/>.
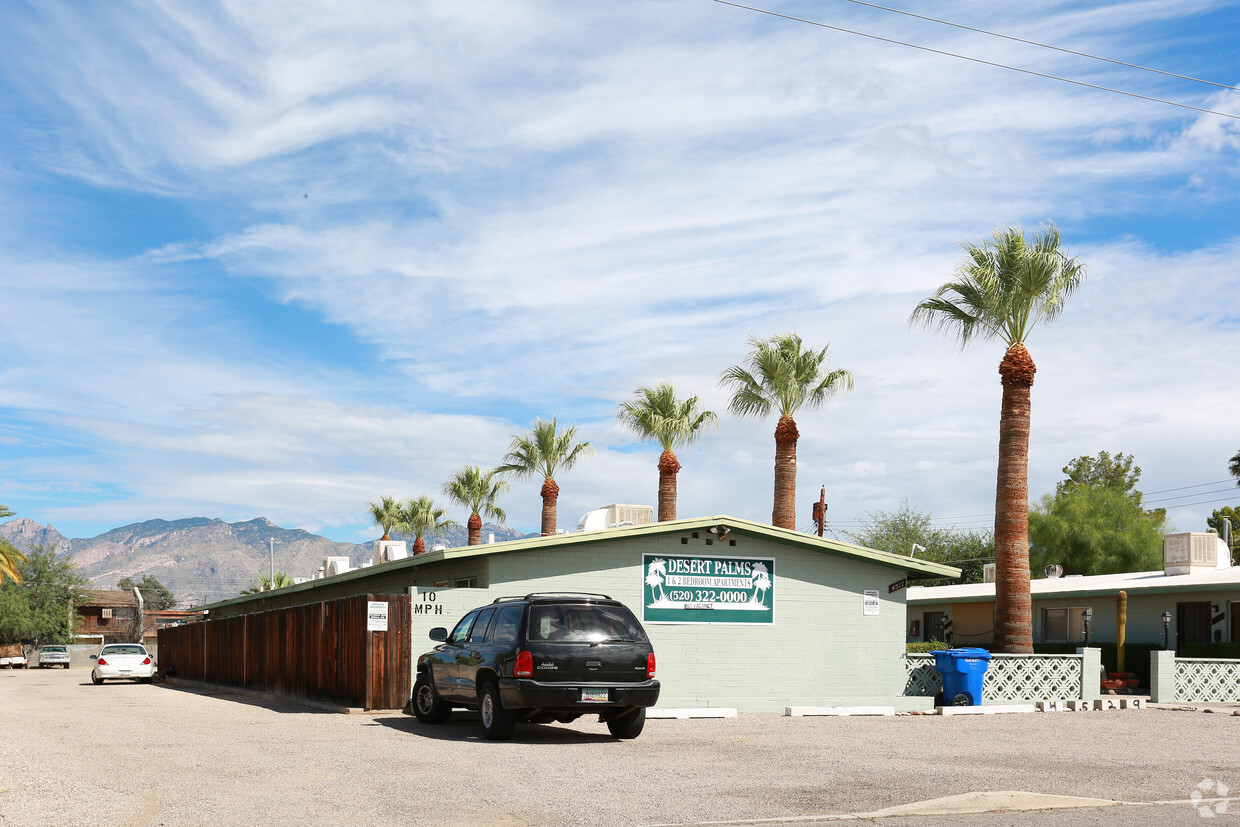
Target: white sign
<point x="869" y="604"/>
<point x="376" y="616"/>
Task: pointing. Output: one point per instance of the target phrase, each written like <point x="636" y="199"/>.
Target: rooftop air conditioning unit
<point x="988" y="573"/>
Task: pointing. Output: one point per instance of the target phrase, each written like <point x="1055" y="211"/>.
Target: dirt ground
<point x="123" y="753"/>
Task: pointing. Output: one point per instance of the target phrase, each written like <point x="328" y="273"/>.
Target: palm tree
<point x="1234" y="467"/>
<point x="1004" y="287"/>
<point x="421" y="516"/>
<point x="387" y="514"/>
<point x="476" y="490"/>
<point x="656" y="413"/>
<point x="657" y="573"/>
<point x="544" y="451"/>
<point x="783" y="375"/>
<point x="266" y="584"/>
<point x="10" y="557"/>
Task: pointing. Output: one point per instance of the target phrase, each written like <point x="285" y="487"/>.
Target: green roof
<point x="734" y="525"/>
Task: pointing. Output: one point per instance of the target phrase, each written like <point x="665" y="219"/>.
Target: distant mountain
<point x="203" y="560"/>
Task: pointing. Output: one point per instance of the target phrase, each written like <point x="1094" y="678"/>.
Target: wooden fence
<point x="319" y="651"/>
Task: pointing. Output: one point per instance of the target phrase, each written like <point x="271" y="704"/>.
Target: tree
<point x="477" y="490"/>
<point x="10" y="558"/>
<point x="1215" y="521"/>
<point x="1001" y="291"/>
<point x="655" y="413"/>
<point x="155" y="595"/>
<point x="782" y="375"/>
<point x="899" y="531"/>
<point x="387" y="514"/>
<point x="1093" y="530"/>
<point x="42" y="607"/>
<point x="421" y="516"/>
<point x="1113" y="473"/>
<point x="544" y="451"/>
<point x="266" y="584"/>
<point x="1234" y="467"/>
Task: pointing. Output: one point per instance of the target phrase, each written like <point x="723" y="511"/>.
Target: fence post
<point x="1162" y="676"/>
<point x="1091" y="673"/>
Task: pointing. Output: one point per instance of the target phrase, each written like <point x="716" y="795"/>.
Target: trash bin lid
<point x="968" y="653"/>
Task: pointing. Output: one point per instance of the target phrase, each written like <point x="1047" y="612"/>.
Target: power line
<point x="1186" y="487"/>
<point x="1044" y="45"/>
<point x="979" y="60"/>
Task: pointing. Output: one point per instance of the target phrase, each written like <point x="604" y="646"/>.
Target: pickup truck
<point x="53" y="655"/>
<point x="12" y="656"/>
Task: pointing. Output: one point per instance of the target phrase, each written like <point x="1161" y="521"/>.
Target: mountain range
<point x="203" y="560"/>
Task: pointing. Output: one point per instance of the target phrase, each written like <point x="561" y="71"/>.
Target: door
<point x="1192" y="623"/>
<point x="1235" y="623"/>
<point x="932" y="625"/>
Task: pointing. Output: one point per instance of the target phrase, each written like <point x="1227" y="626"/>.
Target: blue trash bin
<point x="962" y="671"/>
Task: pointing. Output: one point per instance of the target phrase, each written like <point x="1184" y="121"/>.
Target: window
<point x="588" y="623"/>
<point x="479" y="633"/>
<point x="1063" y="625"/>
<point x="467" y="583"/>
<point x="507" y="624"/>
<point x="461" y="633"/>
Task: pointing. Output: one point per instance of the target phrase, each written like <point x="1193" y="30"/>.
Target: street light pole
<point x="271" y="549"/>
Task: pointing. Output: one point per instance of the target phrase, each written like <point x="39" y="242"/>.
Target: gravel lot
<point x="74" y="753"/>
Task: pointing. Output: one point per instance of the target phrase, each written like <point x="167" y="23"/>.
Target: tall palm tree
<point x="477" y="490"/>
<point x="420" y="516"/>
<point x="783" y="375"/>
<point x="10" y="557"/>
<point x="387" y="514"/>
<point x="1234" y="467"/>
<point x="1004" y="287"/>
<point x="656" y="413"/>
<point x="544" y="451"/>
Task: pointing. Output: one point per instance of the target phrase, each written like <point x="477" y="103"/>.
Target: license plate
<point x="124" y="671"/>
<point x="594" y="696"/>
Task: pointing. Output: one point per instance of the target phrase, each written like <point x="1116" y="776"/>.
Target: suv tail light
<point x="102" y="662"/>
<point x="525" y="665"/>
<point x="650" y="665"/>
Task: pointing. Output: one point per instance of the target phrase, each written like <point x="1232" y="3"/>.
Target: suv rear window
<point x="568" y="622"/>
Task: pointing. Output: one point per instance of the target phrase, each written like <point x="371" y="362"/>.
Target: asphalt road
<point x="74" y="753"/>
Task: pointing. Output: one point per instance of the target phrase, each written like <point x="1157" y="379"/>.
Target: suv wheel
<point x="497" y="722"/>
<point x="428" y="707"/>
<point x="629" y="723"/>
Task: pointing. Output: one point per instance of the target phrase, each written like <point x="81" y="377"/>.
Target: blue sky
<point x="259" y="260"/>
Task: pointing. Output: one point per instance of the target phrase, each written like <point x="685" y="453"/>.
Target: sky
<point x="280" y="260"/>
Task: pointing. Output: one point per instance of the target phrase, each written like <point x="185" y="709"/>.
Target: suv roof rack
<point x="538" y="595"/>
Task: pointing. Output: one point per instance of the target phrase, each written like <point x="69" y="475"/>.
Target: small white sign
<point x="376" y="616"/>
<point x="869" y="604"/>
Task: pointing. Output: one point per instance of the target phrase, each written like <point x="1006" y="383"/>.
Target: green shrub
<point x="922" y="647"/>
<point x="1213" y="651"/>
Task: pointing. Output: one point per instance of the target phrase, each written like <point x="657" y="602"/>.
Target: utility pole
<point x="820" y="510"/>
<point x="271" y="550"/>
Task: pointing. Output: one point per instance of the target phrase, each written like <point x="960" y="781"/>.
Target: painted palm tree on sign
<point x="656" y="413"/>
<point x="10" y="557"/>
<point x="655" y="574"/>
<point x="781" y="374"/>
<point x="545" y="451"/>
<point x="420" y="516"/>
<point x="387" y="514"/>
<point x="761" y="582"/>
<point x="1004" y="287"/>
<point x="477" y="490"/>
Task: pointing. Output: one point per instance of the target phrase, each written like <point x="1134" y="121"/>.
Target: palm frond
<point x="543" y="451"/>
<point x="477" y="490"/>
<point x="655" y="413"/>
<point x="782" y="374"/>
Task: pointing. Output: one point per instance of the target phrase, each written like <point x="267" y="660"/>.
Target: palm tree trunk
<point x="419" y="547"/>
<point x="1013" y="606"/>
<point x="668" y="468"/>
<point x="550" y="494"/>
<point x="784" y="513"/>
<point x="474" y="524"/>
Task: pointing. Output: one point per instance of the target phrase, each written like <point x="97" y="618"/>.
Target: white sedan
<point x="128" y="661"/>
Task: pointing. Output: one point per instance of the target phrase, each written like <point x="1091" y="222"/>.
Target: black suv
<point x="540" y="658"/>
